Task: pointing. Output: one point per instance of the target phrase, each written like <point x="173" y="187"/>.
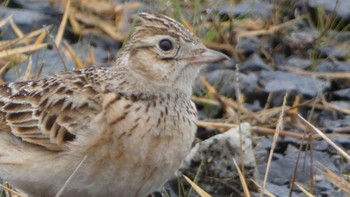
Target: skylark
<point x="106" y="131"/>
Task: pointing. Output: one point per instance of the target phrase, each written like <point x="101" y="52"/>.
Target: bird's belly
<point x="152" y="151"/>
<point x="142" y="164"/>
<point x="32" y="169"/>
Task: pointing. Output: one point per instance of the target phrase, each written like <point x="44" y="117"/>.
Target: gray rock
<point x="323" y="65"/>
<point x="230" y="65"/>
<point x="291" y="149"/>
<point x="284" y="81"/>
<point x="279" y="58"/>
<point x="253" y="8"/>
<point x="281" y="170"/>
<point x="330" y="123"/>
<point x="323" y="185"/>
<point x="248" y="84"/>
<point x="333" y="51"/>
<point x="264" y="143"/>
<point x="297" y="62"/>
<point x="224" y="81"/>
<point x="320" y="145"/>
<point x="343" y="94"/>
<point x="293" y="145"/>
<point x="216" y="154"/>
<point x="254" y="63"/>
<point x="48" y="61"/>
<point x="255" y="106"/>
<point x="339" y="7"/>
<point x="342" y="66"/>
<point x="46" y="7"/>
<point x="248" y="46"/>
<point x="278" y="190"/>
<point x="27" y="20"/>
<point x="327" y="66"/>
<point x="341" y="104"/>
<point x="103" y="44"/>
<point x="343" y="142"/>
<point x="342" y="37"/>
<point x="301" y="37"/>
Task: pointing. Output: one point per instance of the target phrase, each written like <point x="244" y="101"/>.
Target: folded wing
<point x="48" y="112"/>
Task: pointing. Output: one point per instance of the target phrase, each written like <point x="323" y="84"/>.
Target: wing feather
<point x="48" y="112"/>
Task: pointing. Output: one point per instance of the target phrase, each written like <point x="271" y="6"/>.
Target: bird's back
<point x="139" y="138"/>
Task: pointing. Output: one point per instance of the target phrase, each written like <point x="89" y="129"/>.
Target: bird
<point x="121" y="130"/>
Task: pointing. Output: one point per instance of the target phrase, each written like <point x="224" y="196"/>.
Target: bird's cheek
<point x="147" y="69"/>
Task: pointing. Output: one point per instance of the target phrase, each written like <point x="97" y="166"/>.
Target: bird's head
<point x="162" y="53"/>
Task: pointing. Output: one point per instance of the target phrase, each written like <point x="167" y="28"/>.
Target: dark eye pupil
<point x="165" y="45"/>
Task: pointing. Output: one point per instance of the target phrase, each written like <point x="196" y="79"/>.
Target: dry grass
<point x="108" y="19"/>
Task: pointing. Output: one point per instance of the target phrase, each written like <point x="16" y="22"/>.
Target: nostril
<point x="199" y="51"/>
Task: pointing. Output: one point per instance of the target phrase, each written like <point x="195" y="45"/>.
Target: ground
<point x="290" y="59"/>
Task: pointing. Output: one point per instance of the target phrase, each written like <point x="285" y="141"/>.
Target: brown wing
<point x="50" y="111"/>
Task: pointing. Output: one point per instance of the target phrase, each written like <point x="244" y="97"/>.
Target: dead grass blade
<point x="62" y="26"/>
<point x="311" y="149"/>
<point x="231" y="103"/>
<point x="335" y="107"/>
<point x="41" y="37"/>
<point x="4" y="21"/>
<point x="75" y="25"/>
<point x="271" y="29"/>
<point x="26" y="38"/>
<point x="219" y="46"/>
<point x="91" y="59"/>
<point x="199" y="190"/>
<point x="28" y="70"/>
<point x="70" y="177"/>
<point x="294" y="109"/>
<point x="263" y="191"/>
<point x="279" y="127"/>
<point x="230" y="112"/>
<point x="78" y="63"/>
<point x="327" y="75"/>
<point x="334" y="178"/>
<point x="259" y="130"/>
<point x="205" y="100"/>
<point x="242" y="179"/>
<point x="268" y="131"/>
<point x="40" y="71"/>
<point x="94" y="21"/>
<point x="10" y="191"/>
<point x="118" y="9"/>
<point x="96" y="6"/>
<point x="57" y="49"/>
<point x="122" y="16"/>
<point x="24" y="49"/>
<point x="320" y="133"/>
<point x="304" y="190"/>
<point x="2" y="70"/>
<point x="16" y="29"/>
<point x="246" y="23"/>
<point x="187" y="24"/>
<point x="216" y="125"/>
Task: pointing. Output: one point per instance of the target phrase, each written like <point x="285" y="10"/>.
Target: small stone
<point x="254" y="63"/>
<point x="253" y="8"/>
<point x="275" y="81"/>
<point x="217" y="154"/>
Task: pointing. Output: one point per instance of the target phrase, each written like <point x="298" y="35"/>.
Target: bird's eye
<point x="165" y="45"/>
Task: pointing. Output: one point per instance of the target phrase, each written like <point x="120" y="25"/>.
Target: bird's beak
<point x="208" y="56"/>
